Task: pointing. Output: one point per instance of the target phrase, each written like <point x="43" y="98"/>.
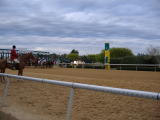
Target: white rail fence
<point x="73" y="85"/>
<point x="119" y="66"/>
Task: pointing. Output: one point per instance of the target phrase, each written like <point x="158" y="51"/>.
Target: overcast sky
<point x="62" y="25"/>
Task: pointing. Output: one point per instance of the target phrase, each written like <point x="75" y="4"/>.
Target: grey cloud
<point x="44" y="27"/>
<point x="97" y="20"/>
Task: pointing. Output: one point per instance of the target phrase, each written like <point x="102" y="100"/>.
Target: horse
<point x="23" y="61"/>
<point x="43" y="63"/>
<point x="47" y="64"/>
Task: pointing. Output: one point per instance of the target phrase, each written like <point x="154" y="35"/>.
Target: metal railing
<point x="73" y="85"/>
<point x="155" y="67"/>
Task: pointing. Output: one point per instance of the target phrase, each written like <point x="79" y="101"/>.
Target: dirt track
<point x="37" y="101"/>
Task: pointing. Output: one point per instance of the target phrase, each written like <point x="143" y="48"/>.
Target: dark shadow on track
<point x="4" y="116"/>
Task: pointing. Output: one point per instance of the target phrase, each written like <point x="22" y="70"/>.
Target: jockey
<point x="14" y="55"/>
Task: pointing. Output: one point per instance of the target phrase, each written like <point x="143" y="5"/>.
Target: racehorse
<point x="43" y="63"/>
<point x="23" y="61"/>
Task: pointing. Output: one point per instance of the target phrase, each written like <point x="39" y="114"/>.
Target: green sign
<point x="106" y="46"/>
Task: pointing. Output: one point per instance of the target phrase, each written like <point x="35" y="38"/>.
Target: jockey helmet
<point x="13" y="46"/>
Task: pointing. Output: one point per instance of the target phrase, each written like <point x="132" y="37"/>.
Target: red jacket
<point x="13" y="54"/>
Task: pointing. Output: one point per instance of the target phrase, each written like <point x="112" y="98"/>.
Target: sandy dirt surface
<point x="38" y="101"/>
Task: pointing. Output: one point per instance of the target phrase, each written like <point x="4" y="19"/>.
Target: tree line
<point x="117" y="55"/>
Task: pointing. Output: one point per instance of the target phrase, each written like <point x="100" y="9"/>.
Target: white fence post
<point x="5" y="91"/>
<point x="70" y="104"/>
<point x="155" y="69"/>
<point x="136" y="67"/>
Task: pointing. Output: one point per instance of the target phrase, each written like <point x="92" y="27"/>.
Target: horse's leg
<point x="19" y="72"/>
<point x="4" y="72"/>
<point x="1" y="76"/>
<point x="22" y="72"/>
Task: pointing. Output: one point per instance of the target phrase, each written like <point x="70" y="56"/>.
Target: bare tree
<point x="154" y="51"/>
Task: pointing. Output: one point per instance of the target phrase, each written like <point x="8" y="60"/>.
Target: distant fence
<point x="137" y="67"/>
<point x="73" y="85"/>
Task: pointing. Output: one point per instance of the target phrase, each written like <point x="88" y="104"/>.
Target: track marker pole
<point x="107" y="56"/>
